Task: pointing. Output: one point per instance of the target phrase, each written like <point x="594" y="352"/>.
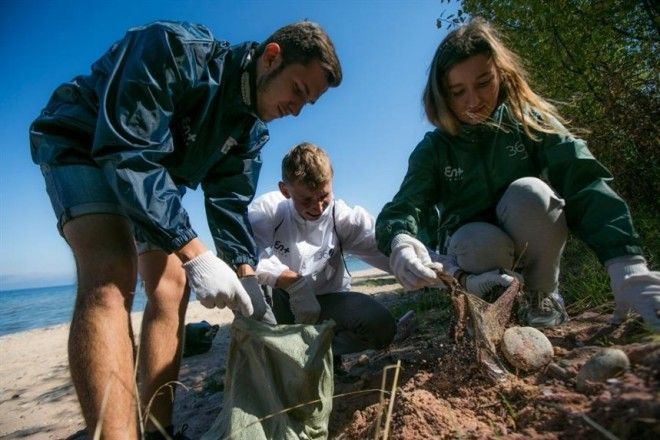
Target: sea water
<point x="27" y="309"/>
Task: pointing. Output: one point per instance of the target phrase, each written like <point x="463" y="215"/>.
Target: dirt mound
<point x="442" y="393"/>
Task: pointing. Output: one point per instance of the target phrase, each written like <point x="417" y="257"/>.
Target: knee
<point x="175" y="282"/>
<point x="107" y="280"/>
<point x="169" y="290"/>
<point x="528" y="193"/>
<point x="479" y="247"/>
<point x="169" y="285"/>
<point x="531" y="209"/>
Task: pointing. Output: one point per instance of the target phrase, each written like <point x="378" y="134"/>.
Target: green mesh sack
<point x="279" y="382"/>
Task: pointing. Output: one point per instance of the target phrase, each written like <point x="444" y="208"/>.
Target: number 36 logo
<point x="517" y="149"/>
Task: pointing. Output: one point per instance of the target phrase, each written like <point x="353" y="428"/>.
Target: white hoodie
<point x="285" y="240"/>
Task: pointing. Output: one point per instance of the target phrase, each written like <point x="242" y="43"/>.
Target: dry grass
<point x="146" y="416"/>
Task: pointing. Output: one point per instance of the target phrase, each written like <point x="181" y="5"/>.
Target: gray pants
<point x="530" y="215"/>
<point x="361" y="321"/>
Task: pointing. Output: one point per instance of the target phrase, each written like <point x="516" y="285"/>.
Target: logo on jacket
<point x="280" y="248"/>
<point x="229" y="144"/>
<point x="323" y="254"/>
<point x="188" y="136"/>
<point x="453" y="174"/>
<point x="517" y="149"/>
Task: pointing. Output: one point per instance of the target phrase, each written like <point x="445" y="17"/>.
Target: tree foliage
<point x="600" y="58"/>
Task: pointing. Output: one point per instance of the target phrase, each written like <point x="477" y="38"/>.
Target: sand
<point x="37" y="399"/>
<point x="442" y="392"/>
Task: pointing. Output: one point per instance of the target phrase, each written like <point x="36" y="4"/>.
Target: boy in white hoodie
<point x="303" y="235"/>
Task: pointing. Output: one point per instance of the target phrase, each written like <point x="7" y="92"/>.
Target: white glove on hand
<point x="410" y="263"/>
<point x="262" y="310"/>
<point x="304" y="305"/>
<point x="635" y="288"/>
<point x="216" y="284"/>
<point x="483" y="283"/>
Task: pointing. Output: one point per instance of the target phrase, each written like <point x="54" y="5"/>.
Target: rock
<point x="363" y="359"/>
<point x="647" y="353"/>
<point x="554" y="370"/>
<point x="526" y="348"/>
<point x="607" y="363"/>
<point x="652" y="360"/>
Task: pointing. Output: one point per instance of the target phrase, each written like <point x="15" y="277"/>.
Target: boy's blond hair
<point x="306" y="164"/>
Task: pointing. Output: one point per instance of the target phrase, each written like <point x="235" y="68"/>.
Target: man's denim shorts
<point x="77" y="190"/>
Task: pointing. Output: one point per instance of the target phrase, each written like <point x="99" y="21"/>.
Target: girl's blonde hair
<point x="475" y="38"/>
<point x="307" y="164"/>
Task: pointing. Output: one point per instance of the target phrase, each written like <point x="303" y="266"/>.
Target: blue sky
<point x="369" y="125"/>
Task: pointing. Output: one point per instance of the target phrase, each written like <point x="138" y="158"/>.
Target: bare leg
<point x="162" y="332"/>
<point x="101" y="339"/>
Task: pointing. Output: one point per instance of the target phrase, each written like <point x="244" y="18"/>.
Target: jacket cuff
<point x="180" y="241"/>
<point x="243" y="259"/>
<point x="623" y="251"/>
<point x="388" y="234"/>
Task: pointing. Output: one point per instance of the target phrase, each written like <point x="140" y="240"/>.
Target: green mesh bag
<point x="279" y="382"/>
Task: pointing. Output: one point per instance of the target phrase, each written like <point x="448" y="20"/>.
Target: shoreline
<point x="356" y="275"/>
<point x="37" y="399"/>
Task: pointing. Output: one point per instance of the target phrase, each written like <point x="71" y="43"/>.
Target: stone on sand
<point x="526" y="348"/>
<point x="605" y="364"/>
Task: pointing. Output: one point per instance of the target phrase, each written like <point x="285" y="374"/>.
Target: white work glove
<point x="216" y="284"/>
<point x="635" y="288"/>
<point x="262" y="310"/>
<point x="411" y="264"/>
<point x="304" y="305"/>
<point x="483" y="283"/>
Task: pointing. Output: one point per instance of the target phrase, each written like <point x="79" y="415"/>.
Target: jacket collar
<point x="248" y="74"/>
<point x="241" y="77"/>
<point x="501" y="118"/>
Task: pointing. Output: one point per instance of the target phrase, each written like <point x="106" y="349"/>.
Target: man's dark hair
<point x="304" y="42"/>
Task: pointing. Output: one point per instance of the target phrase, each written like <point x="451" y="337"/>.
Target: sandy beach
<point x="442" y="392"/>
<point x="37" y="399"/>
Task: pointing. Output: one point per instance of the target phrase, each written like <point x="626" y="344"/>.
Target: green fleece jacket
<point x="453" y="180"/>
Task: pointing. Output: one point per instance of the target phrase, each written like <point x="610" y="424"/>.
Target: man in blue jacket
<point x="167" y="107"/>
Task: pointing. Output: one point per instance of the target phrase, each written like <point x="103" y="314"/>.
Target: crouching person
<point x="507" y="181"/>
<point x="303" y="235"/>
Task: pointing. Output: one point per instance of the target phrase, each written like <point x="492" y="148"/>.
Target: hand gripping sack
<point x="279" y="382"/>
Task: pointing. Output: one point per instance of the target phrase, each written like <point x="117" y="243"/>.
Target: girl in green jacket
<point x="502" y="180"/>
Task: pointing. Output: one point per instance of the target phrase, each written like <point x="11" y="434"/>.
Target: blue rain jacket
<point x="168" y="106"/>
